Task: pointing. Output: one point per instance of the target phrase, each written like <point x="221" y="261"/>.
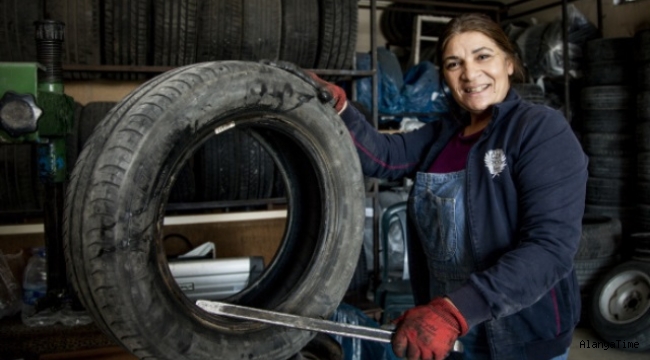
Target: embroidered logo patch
<point x="495" y="161"/>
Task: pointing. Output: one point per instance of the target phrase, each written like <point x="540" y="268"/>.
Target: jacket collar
<point x="508" y="104"/>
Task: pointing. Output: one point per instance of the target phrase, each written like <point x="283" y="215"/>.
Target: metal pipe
<point x="374" y="62"/>
<point x="565" y="56"/>
<point x="599" y="7"/>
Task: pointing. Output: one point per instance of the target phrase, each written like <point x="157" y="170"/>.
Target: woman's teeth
<point x="476" y="89"/>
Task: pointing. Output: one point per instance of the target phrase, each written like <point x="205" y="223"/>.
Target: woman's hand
<point x="428" y="332"/>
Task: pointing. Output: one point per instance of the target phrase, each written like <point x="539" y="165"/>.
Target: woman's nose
<point x="470" y="71"/>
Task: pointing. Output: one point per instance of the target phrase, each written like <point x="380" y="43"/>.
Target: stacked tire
<point x="609" y="121"/>
<point x="598" y="252"/>
<point x="642" y="56"/>
<point x="619" y="309"/>
<point x="310" y="33"/>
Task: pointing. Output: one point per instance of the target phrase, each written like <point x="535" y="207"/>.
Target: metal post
<point x="565" y="55"/>
<point x="373" y="62"/>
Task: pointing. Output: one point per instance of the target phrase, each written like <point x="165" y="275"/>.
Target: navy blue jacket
<point x="524" y="222"/>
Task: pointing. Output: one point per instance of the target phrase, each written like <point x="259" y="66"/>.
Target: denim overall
<point x="437" y="205"/>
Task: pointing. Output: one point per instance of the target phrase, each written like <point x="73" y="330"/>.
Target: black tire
<point x="611" y="192"/>
<point x="609" y="73"/>
<point x="610" y="97"/>
<point x="17" y="29"/>
<point x="643" y="137"/>
<point x="18" y="178"/>
<point x="642" y="46"/>
<point x="608" y="61"/>
<point x="300" y="32"/>
<point x="601" y="237"/>
<point x="609" y="49"/>
<point x="643" y="166"/>
<point x="81" y="45"/>
<point x="643" y="188"/>
<point x="119" y="189"/>
<point x="623" y="213"/>
<point x="643" y="106"/>
<point x="127" y="35"/>
<point x="220" y="30"/>
<point x="620" y="307"/>
<point x="643" y="76"/>
<point x="588" y="271"/>
<point x="72" y="139"/>
<point x="609" y="121"/>
<point x="262" y="32"/>
<point x="175" y="32"/>
<point x="329" y="20"/>
<point x="346" y="34"/>
<point x="612" y="167"/>
<point x="609" y="144"/>
<point x="90" y="116"/>
<point x="643" y="217"/>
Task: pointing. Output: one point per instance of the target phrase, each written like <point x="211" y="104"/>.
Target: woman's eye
<point x="451" y="65"/>
<point x="483" y="56"/>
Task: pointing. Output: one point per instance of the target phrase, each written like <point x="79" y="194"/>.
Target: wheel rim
<point x="625" y="297"/>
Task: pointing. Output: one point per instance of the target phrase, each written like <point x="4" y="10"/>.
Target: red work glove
<point x="339" y="98"/>
<point x="429" y="331"/>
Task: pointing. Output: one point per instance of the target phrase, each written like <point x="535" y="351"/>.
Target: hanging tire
<point x="117" y="195"/>
<point x="620" y="308"/>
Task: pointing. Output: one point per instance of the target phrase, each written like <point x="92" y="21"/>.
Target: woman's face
<point x="476" y="70"/>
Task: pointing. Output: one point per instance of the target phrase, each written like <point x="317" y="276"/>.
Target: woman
<point x="495" y="211"/>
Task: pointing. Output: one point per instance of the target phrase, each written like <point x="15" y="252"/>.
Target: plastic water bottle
<point x="35" y="288"/>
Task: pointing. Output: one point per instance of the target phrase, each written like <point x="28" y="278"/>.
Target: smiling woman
<point x="478" y="62"/>
<point x="495" y="212"/>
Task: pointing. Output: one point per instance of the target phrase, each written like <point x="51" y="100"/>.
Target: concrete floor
<point x="576" y="352"/>
<point x="584" y="334"/>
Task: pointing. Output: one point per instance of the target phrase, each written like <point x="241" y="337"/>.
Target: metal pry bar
<point x="301" y="322"/>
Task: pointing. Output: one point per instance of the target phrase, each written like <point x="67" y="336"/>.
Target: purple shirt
<point x="454" y="156"/>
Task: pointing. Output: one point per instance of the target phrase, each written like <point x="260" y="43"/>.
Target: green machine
<point x="35" y="110"/>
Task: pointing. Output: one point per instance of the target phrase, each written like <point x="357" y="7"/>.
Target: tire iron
<point x="301" y="322"/>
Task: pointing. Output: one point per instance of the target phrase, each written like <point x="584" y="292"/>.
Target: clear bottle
<point x="35" y="288"/>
